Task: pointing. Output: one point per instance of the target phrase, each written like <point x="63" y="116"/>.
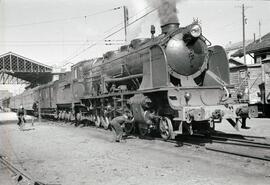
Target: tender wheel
<point x="69" y="116"/>
<point x="166" y="128"/>
<point x="97" y="121"/>
<point x="55" y="116"/>
<point x="63" y="115"/>
<point x="66" y="116"/>
<point x="79" y="117"/>
<point x="60" y="115"/>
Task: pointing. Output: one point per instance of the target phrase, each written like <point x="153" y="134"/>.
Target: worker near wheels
<point x="21" y="113"/>
<point x="35" y="108"/>
<point x="118" y="124"/>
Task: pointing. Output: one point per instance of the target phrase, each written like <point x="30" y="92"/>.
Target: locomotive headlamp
<point x="196" y="30"/>
<point x="187" y="97"/>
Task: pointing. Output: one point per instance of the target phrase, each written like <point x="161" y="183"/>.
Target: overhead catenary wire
<point x="119" y="24"/>
<point x="68" y="43"/>
<point x="59" y="20"/>
<point x="45" y="45"/>
<point x="47" y="41"/>
<point x="92" y="45"/>
<point x="40" y="43"/>
<point x="110" y="29"/>
<point x="73" y="41"/>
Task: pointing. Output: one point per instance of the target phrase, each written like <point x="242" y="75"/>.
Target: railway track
<point x="254" y="147"/>
<point x="19" y="174"/>
<point x="226" y="144"/>
<point x="240" y="145"/>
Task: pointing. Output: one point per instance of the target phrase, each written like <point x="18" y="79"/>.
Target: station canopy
<point x="16" y="69"/>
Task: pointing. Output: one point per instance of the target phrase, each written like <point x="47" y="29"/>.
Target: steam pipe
<point x="123" y="78"/>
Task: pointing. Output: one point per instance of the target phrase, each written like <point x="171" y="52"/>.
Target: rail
<point x="19" y="173"/>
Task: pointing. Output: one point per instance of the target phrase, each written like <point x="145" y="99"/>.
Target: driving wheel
<point x="97" y="121"/>
<point x="166" y="128"/>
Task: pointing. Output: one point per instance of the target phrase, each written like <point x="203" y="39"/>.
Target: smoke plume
<point x="167" y="10"/>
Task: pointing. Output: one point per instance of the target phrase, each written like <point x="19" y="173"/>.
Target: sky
<point x="60" y="32"/>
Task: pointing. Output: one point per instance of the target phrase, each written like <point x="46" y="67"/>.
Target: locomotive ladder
<point x="242" y="83"/>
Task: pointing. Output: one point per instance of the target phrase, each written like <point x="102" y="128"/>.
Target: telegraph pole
<point x="260" y="36"/>
<point x="39" y="106"/>
<point x="244" y="32"/>
<point x="244" y="22"/>
<point x="125" y="20"/>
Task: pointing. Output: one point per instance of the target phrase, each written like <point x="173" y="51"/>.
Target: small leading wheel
<point x="143" y="129"/>
<point x="97" y="121"/>
<point x="166" y="128"/>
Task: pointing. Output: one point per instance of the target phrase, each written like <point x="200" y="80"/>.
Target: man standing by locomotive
<point x="118" y="124"/>
<point x="21" y="113"/>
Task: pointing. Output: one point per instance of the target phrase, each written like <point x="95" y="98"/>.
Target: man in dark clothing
<point x="20" y="114"/>
<point x="35" y="108"/>
<point x="118" y="124"/>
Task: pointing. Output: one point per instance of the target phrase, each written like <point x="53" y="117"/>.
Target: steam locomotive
<point x="173" y="83"/>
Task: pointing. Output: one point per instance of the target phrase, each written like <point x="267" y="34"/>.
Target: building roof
<point x="16" y="69"/>
<point x="256" y="46"/>
<point x="236" y="46"/>
<point x="235" y="62"/>
<point x="24" y="58"/>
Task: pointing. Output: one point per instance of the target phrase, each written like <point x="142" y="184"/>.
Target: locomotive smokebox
<point x="166" y="28"/>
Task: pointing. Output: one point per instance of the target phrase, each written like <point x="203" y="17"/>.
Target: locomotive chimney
<point x="169" y="27"/>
